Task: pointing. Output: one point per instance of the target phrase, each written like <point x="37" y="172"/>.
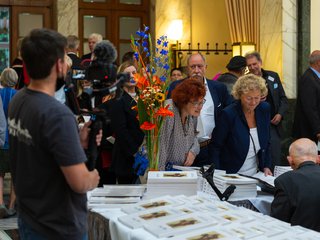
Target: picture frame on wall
<point x="4" y="38"/>
<point x="4" y="25"/>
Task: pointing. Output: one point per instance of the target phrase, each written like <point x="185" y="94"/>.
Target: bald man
<point x="307" y="115"/>
<point x="297" y="194"/>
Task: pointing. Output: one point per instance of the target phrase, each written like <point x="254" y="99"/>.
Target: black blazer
<point x="307" y="115"/>
<point x="86" y="56"/>
<point x="128" y="135"/>
<point x="276" y="95"/>
<point x="231" y="138"/>
<point x="297" y="196"/>
<point x="76" y="61"/>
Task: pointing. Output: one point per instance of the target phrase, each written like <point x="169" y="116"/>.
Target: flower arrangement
<point x="152" y="82"/>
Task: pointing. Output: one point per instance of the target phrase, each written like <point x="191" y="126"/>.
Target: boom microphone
<point x="105" y="52"/>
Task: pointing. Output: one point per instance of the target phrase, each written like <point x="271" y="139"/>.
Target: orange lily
<point x="142" y="81"/>
<point x="164" y="112"/>
<point x="147" y="126"/>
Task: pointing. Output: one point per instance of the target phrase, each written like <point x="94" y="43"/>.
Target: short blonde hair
<point x="9" y="77"/>
<point x="248" y="83"/>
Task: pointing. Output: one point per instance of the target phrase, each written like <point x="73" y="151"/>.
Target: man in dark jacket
<point x="307" y="114"/>
<point x="236" y="68"/>
<point x="297" y="192"/>
<point x="276" y="98"/>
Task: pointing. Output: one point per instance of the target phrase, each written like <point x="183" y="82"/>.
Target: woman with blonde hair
<point x="126" y="128"/>
<point x="242" y="132"/>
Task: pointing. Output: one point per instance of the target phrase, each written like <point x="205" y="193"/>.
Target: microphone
<point x="105" y="52"/>
<point x="101" y="71"/>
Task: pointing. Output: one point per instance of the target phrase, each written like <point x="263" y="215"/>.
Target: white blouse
<point x="250" y="165"/>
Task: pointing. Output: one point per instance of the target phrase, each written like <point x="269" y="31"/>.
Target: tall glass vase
<point x="152" y="141"/>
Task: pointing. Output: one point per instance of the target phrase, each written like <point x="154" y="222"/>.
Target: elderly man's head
<point x="302" y="150"/>
<point x="93" y="39"/>
<point x="254" y="63"/>
<point x="197" y="66"/>
<point x="314" y="60"/>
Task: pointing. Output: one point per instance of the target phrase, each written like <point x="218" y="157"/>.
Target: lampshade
<point x="242" y="48"/>
<point x="175" y="30"/>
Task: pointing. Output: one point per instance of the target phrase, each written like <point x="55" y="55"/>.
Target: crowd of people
<point x="234" y="123"/>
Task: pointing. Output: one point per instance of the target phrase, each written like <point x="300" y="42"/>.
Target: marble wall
<point x="289" y="46"/>
<point x="270" y="35"/>
<point x="278" y="40"/>
<point x="315" y="19"/>
<point x="67" y="17"/>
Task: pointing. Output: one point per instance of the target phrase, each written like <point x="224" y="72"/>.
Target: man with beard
<point x="48" y="169"/>
<point x="217" y="98"/>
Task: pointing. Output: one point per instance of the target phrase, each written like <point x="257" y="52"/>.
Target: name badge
<point x="271" y="78"/>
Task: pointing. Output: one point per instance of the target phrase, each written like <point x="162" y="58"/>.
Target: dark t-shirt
<point x="43" y="137"/>
<point x="228" y="79"/>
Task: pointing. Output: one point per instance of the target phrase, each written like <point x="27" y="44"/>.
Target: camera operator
<point x="102" y="73"/>
<point x="48" y="161"/>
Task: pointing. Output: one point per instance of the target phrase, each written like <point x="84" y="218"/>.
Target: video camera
<point x="102" y="73"/>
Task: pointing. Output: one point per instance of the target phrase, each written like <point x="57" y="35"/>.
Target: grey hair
<point x="190" y="56"/>
<point x="314" y="57"/>
<point x="98" y="37"/>
<point x="73" y="42"/>
<point x="253" y="54"/>
<point x="9" y="77"/>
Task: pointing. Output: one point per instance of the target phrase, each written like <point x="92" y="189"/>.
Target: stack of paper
<point x="152" y="204"/>
<point x="152" y="216"/>
<point x="278" y="170"/>
<point x="172" y="183"/>
<point x="245" y="187"/>
<point x="180" y="224"/>
<point x="115" y="194"/>
<point x="197" y="218"/>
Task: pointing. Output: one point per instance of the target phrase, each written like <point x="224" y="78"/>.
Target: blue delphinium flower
<point x="141" y="162"/>
<point x="136" y="55"/>
<point x="163" y="78"/>
<point x="144" y="43"/>
<point x="166" y="66"/>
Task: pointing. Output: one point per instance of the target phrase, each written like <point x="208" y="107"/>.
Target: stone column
<point x="67" y="17"/>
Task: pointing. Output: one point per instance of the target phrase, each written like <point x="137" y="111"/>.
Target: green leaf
<point x="142" y="112"/>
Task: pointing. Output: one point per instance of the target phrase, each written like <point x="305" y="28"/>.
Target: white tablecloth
<point x="119" y="231"/>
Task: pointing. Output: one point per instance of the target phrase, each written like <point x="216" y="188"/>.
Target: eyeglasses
<point x="198" y="104"/>
<point x="200" y="66"/>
